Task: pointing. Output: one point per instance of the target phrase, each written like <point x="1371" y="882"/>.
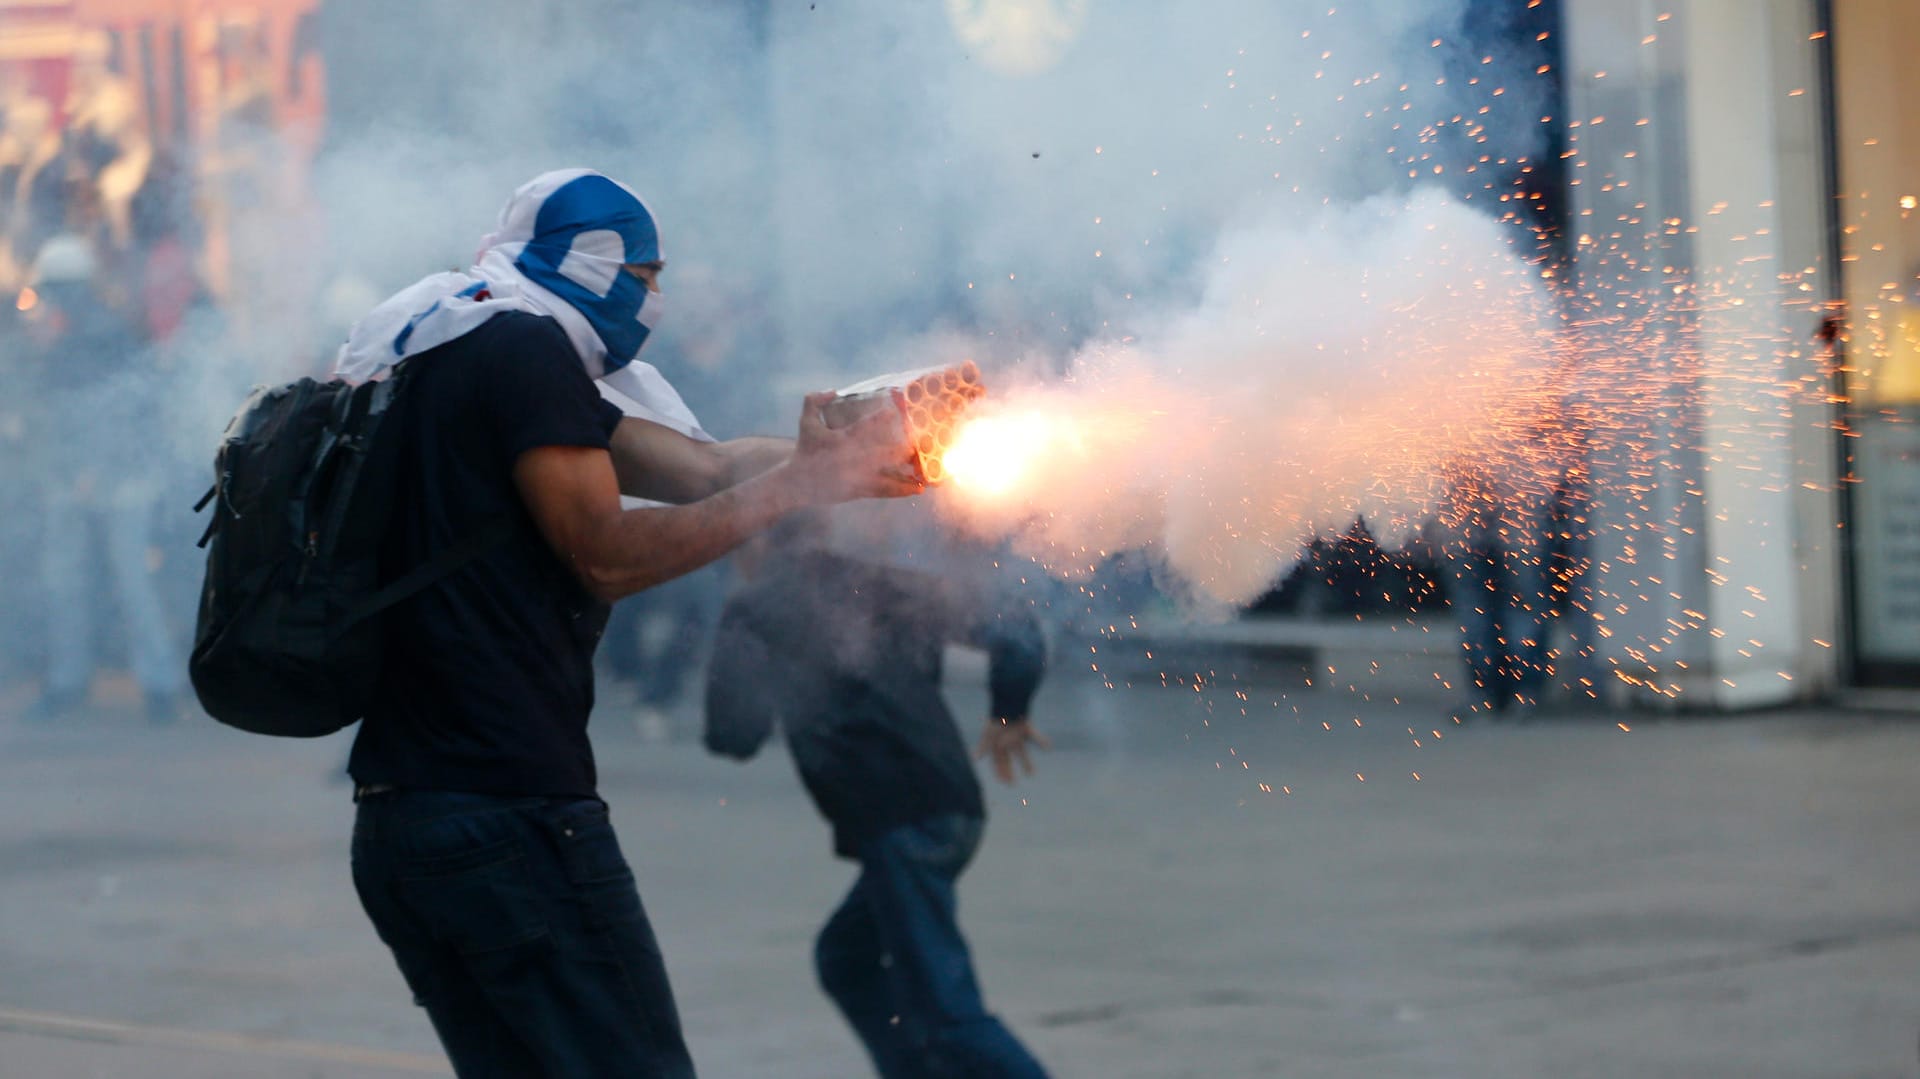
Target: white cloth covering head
<point x="557" y="252"/>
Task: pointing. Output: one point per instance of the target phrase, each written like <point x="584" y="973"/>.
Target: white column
<point x="1725" y="575"/>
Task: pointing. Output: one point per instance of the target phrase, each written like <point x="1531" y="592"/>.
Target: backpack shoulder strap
<point x="433" y="570"/>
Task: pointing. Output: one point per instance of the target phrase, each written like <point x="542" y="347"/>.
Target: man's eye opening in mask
<point x="647" y="273"/>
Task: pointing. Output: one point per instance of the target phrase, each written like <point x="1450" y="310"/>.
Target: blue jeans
<point x="69" y="579"/>
<point x="516" y="923"/>
<point x="893" y="960"/>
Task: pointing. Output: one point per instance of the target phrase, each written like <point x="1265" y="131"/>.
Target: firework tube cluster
<point x="932" y="402"/>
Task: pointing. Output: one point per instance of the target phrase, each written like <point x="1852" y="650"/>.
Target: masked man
<point x="92" y="374"/>
<point x="481" y="850"/>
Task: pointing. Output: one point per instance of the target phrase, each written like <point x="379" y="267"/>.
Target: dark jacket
<point x="846" y="657"/>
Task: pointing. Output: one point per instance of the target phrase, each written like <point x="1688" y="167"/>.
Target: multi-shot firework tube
<point x="931" y="402"/>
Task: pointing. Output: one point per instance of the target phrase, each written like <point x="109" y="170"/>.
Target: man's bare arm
<point x="748" y="457"/>
<point x="573" y="494"/>
<point x="660" y="464"/>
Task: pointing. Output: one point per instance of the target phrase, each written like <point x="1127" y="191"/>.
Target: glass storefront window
<point x="1877" y="136"/>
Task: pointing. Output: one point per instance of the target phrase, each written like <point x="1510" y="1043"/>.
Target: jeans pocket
<point x="582" y="836"/>
<point x="469" y="879"/>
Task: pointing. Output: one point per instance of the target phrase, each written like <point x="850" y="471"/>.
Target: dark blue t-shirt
<point x="488" y="676"/>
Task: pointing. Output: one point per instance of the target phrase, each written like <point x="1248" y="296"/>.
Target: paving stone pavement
<point x="1183" y="890"/>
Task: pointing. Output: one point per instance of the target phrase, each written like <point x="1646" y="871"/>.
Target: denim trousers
<point x="69" y="579"/>
<point x="894" y="962"/>
<point x="517" y="925"/>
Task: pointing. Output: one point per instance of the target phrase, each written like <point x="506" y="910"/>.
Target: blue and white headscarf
<point x="558" y="250"/>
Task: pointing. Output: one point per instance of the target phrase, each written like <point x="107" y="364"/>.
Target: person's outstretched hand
<point x="868" y="458"/>
<point x="1006" y="741"/>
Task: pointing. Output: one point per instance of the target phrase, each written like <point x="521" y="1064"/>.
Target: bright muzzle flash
<point x="996" y="454"/>
<point x="986" y="452"/>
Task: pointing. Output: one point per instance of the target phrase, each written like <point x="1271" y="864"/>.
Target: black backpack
<point x="288" y="640"/>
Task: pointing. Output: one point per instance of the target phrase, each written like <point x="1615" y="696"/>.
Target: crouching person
<point x="846" y="657"/>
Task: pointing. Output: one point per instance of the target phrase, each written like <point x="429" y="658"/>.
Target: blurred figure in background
<point x="655" y="642"/>
<point x="23" y="120"/>
<point x="34" y="171"/>
<point x="1566" y="563"/>
<point x="845" y="656"/>
<point x="1495" y="587"/>
<point x="108" y="145"/>
<point x="163" y="245"/>
<point x="93" y="446"/>
<point x="1521" y="555"/>
<point x="193" y="374"/>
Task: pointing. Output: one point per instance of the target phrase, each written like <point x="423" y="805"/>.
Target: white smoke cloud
<point x="1328" y="370"/>
<point x="879" y="167"/>
<point x="916" y="176"/>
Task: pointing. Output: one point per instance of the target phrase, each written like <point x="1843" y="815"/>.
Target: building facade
<point x="1741" y="184"/>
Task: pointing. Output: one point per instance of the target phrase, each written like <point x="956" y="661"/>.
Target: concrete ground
<point x="1322" y="886"/>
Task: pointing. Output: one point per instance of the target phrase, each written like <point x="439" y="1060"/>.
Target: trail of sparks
<point x="1673" y="395"/>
